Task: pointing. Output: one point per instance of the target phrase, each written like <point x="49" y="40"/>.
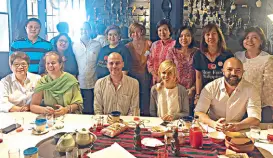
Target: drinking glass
<point x="50" y="120"/>
<point x="14" y="153"/>
<point x="19" y="124"/>
<point x="255" y="132"/>
<point x="99" y="123"/>
<point x="162" y="153"/>
<point x="270" y="133"/>
<point x="74" y="153"/>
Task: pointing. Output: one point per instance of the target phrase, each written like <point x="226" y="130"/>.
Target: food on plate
<point x="114" y="129"/>
<point x="157" y="129"/>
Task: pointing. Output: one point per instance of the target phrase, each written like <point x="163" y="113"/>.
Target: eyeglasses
<point x="18" y="64"/>
<point x="63" y="41"/>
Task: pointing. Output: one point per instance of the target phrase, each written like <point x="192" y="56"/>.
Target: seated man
<point x="228" y="98"/>
<point x="116" y="92"/>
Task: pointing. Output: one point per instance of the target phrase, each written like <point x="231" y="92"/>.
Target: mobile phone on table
<point x="10" y="128"/>
<point x="165" y="123"/>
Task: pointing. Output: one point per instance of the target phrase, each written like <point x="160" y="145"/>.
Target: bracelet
<point x="68" y="108"/>
<point x="196" y="96"/>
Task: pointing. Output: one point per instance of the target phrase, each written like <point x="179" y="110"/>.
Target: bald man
<point x="116" y="92"/>
<point x="224" y="101"/>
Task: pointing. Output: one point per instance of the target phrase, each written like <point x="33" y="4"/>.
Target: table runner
<point x="125" y="139"/>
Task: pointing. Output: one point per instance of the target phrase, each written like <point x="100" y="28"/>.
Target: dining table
<point x="25" y="139"/>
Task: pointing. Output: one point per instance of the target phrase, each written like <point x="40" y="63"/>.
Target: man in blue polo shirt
<point x="34" y="46"/>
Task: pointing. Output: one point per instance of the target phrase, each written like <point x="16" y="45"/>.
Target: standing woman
<point x="209" y="61"/>
<point x="139" y="49"/>
<point x="258" y="67"/>
<point x="63" y="46"/>
<point x="182" y="55"/>
<point x="160" y="48"/>
<point x="113" y="36"/>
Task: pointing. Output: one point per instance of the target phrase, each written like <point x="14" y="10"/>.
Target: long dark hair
<point x="222" y="46"/>
<point x="69" y="49"/>
<point x="177" y="44"/>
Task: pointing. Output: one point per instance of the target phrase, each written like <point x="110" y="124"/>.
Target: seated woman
<point x="63" y="46"/>
<point x="59" y="90"/>
<point x="169" y="100"/>
<point x="18" y="87"/>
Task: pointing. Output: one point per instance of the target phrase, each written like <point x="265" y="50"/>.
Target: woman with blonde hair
<point x="169" y="100"/>
<point x="138" y="49"/>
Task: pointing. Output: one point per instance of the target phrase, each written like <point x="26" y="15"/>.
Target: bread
<point x="114" y="129"/>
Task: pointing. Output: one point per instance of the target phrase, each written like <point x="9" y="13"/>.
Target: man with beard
<point x="224" y="101"/>
<point x="116" y="92"/>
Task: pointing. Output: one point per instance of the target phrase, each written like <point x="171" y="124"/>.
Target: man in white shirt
<point x="224" y="101"/>
<point x="116" y="92"/>
<point x="100" y="28"/>
<point x="86" y="51"/>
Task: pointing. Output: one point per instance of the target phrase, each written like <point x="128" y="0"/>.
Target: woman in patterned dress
<point x="182" y="56"/>
<point x="160" y="48"/>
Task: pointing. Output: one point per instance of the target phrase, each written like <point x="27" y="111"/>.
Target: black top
<point x="210" y="70"/>
<point x="101" y="66"/>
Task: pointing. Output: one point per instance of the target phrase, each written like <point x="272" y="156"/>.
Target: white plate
<point x="40" y="133"/>
<point x="151" y="142"/>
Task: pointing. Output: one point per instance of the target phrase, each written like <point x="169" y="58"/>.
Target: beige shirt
<point x="259" y="72"/>
<point x="124" y="99"/>
<point x="215" y="100"/>
<point x="167" y="101"/>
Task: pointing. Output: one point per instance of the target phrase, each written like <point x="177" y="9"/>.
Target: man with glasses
<point x="116" y="92"/>
<point x="34" y="46"/>
<point x="86" y="52"/>
<point x="224" y="101"/>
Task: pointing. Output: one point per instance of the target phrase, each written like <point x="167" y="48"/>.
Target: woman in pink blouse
<point x="182" y="56"/>
<point x="160" y="48"/>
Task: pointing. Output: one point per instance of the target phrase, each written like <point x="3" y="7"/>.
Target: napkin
<point x="267" y="147"/>
<point x="115" y="149"/>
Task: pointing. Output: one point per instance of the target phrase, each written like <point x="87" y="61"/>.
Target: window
<point x="32" y="9"/>
<point x="70" y="11"/>
<point x="4" y="27"/>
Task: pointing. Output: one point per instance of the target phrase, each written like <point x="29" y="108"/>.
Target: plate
<point x="34" y="132"/>
<point x="151" y="142"/>
<point x="158" y="131"/>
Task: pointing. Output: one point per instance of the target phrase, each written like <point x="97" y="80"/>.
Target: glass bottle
<point x="196" y="134"/>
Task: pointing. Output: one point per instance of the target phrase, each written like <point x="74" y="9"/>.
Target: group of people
<point x="167" y="78"/>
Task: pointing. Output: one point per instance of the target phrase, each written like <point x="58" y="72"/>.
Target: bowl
<point x="217" y="137"/>
<point x="239" y="145"/>
<point x="235" y="134"/>
<point x="158" y="131"/>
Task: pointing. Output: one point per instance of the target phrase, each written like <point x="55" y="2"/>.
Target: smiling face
<point x="212" y="38"/>
<point x="62" y="44"/>
<point x="86" y="31"/>
<point x="233" y="71"/>
<point x="33" y="29"/>
<point x="163" y="32"/>
<point x="252" y="41"/>
<point x="53" y="66"/>
<point x="113" y="37"/>
<point x="185" y="38"/>
<point x="137" y="34"/>
<point x="115" y="64"/>
<point x="168" y="76"/>
<point x="19" y="67"/>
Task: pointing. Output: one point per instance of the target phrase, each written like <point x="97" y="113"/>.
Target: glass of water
<point x="255" y="132"/>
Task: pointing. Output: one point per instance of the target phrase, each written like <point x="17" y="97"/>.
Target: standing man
<point x="116" y="92"/>
<point x="86" y="51"/>
<point x="34" y="46"/>
<point x="100" y="29"/>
